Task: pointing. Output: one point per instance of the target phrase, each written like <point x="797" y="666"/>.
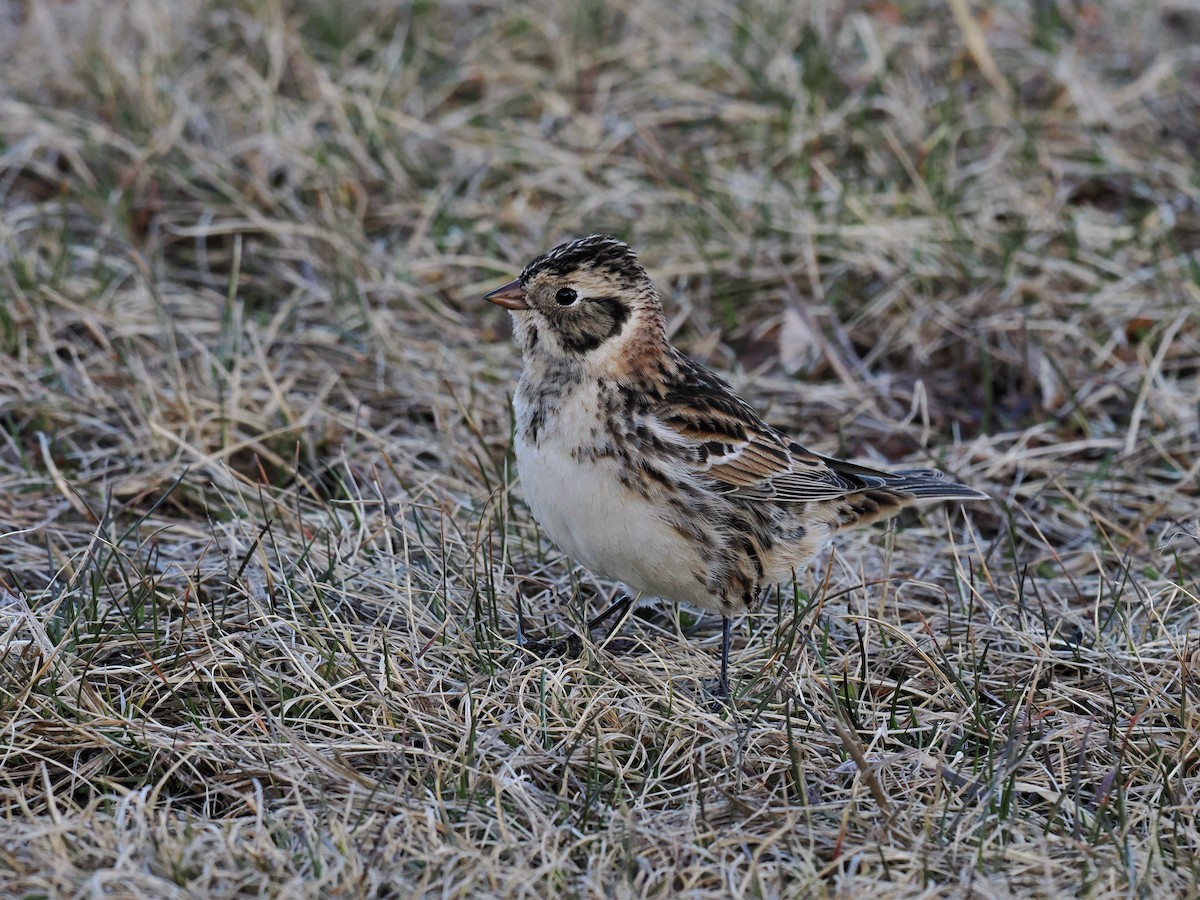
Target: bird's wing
<point x="724" y="439"/>
<point x="727" y="441"/>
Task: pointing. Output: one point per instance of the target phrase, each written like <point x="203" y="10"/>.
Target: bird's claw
<point x="571" y="645"/>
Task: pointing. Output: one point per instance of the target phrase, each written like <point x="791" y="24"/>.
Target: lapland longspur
<point x="648" y="468"/>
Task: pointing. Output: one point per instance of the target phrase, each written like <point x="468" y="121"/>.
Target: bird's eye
<point x="566" y="296"/>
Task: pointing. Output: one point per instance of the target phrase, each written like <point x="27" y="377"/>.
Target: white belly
<point x="592" y="517"/>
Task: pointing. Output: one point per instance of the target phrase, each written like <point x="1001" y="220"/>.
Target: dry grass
<point x="260" y="550"/>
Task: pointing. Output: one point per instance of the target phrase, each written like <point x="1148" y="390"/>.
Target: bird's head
<point x="588" y="299"/>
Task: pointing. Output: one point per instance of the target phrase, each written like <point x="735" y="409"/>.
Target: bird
<point x="649" y="469"/>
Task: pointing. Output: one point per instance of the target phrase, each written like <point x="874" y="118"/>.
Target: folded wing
<point x="748" y="458"/>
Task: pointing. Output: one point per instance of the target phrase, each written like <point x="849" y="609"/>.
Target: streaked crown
<point x="599" y="253"/>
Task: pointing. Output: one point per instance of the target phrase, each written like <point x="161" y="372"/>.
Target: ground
<point x="262" y="551"/>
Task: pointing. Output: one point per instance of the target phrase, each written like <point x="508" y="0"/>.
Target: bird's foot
<point x="571" y="645"/>
<point x="720" y="697"/>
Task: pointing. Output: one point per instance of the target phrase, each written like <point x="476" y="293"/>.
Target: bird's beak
<point x="511" y="296"/>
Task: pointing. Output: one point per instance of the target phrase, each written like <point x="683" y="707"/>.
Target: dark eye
<point x="566" y="296"/>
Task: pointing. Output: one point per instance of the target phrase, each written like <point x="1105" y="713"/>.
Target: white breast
<point x="591" y="516"/>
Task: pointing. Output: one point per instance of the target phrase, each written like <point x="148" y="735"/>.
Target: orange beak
<point x="511" y="296"/>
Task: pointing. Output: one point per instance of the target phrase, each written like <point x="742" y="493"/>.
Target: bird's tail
<point x="930" y="484"/>
<point x="900" y="489"/>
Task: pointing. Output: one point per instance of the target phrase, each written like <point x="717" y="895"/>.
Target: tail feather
<point x="914" y="484"/>
<point x="898" y="491"/>
<point x="930" y="484"/>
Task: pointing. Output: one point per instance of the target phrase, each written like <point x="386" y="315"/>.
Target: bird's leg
<point x="723" y="693"/>
<point x="521" y="641"/>
<point x="571" y="645"/>
<point x="616" y="608"/>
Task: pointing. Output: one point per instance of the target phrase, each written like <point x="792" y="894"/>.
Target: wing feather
<point x="727" y="441"/>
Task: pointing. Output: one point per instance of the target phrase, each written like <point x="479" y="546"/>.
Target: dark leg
<point x="520" y="619"/>
<point x="616" y="608"/>
<point x="571" y="645"/>
<point x="726" y="637"/>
